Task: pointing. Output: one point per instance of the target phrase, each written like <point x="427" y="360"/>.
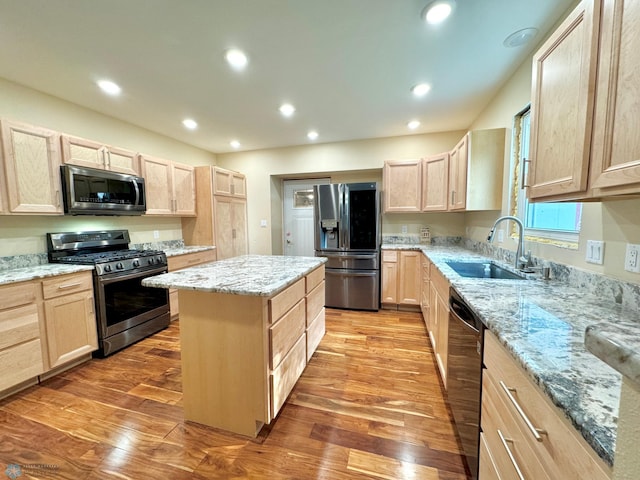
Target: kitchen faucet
<point x="520" y="259"/>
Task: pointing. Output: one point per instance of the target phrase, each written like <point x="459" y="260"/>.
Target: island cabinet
<point x="178" y="262"/>
<point x="523" y="434"/>
<point x="243" y="354"/>
<point x="30" y="170"/>
<point x="92" y="154"/>
<point x="401" y="279"/>
<point x="438" y="324"/>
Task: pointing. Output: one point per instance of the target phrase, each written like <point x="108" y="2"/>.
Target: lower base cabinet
<point x="438" y="324"/>
<point x="401" y="274"/>
<point x="523" y="434"/>
<point x="178" y="262"/>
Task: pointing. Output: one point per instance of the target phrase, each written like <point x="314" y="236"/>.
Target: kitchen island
<point x="248" y="327"/>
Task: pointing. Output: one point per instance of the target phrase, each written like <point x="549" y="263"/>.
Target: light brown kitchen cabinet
<point x="30" y="170"/>
<point x="522" y="431"/>
<point x="435" y="183"/>
<point x="401" y="277"/>
<point x="228" y="182"/>
<point x="476" y="165"/>
<point x="171" y="187"/>
<point x="178" y="262"/>
<point x="69" y="317"/>
<point x="439" y="320"/>
<point x="89" y="153"/>
<point x="221" y="220"/>
<point x="21" y="355"/>
<point x="402" y="185"/>
<point x="425" y="290"/>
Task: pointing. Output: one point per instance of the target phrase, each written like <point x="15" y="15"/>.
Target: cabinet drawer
<point x="284" y="333"/>
<point x="63" y="285"/>
<point x="286" y="299"/>
<point x="390" y="256"/>
<point x="441" y="284"/>
<point x="178" y="262"/>
<point x="315" y="302"/>
<point x="314" y="278"/>
<point x="561" y="449"/>
<point x="286" y="375"/>
<point x="315" y="332"/>
<point x="497" y="421"/>
<point x="18" y="325"/>
<point x="20" y="363"/>
<point x="487" y="469"/>
<point x="17" y="294"/>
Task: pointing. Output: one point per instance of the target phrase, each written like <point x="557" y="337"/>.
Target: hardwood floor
<point x="368" y="406"/>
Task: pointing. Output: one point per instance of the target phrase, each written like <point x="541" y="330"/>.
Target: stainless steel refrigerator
<point x="347" y="232"/>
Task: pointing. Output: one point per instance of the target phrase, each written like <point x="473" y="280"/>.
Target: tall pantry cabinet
<point x="221" y="203"/>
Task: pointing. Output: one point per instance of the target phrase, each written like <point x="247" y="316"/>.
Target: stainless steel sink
<point x="483" y="270"/>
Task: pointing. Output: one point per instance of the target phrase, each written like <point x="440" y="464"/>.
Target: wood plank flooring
<point x="368" y="406"/>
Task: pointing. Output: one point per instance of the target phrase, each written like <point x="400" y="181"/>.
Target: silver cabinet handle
<point x="536" y="432"/>
<point x="69" y="285"/>
<point x="511" y="457"/>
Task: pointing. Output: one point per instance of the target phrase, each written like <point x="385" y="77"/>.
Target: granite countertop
<point x="172" y="252"/>
<point x="543" y="323"/>
<point x="257" y="275"/>
<point x="617" y="344"/>
<point x="40" y="271"/>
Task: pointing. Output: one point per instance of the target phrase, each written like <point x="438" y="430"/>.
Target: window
<point x="555" y="223"/>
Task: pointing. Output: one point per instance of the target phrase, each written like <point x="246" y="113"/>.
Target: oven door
<point x="122" y="302"/>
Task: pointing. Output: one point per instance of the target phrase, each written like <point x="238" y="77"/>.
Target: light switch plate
<point x="156" y="234"/>
<point x="500" y="236"/>
<point x="263" y="223"/>
<point x="595" y="252"/>
<point x="631" y="260"/>
<point x="404" y="229"/>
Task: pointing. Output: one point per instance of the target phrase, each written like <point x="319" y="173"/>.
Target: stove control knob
<point x="119" y="266"/>
<point x="150" y="260"/>
<point x="107" y="268"/>
<point x="158" y="260"/>
<point x="136" y="263"/>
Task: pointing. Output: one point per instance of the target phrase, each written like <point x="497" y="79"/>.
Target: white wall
<point x="25" y="234"/>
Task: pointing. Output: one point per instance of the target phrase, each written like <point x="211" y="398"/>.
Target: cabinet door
<point x="238" y="185"/>
<point x="82" y="152"/>
<point x="32" y="168"/>
<point x="564" y="73"/>
<point x="442" y="342"/>
<point x="616" y="143"/>
<point x="122" y="161"/>
<point x="71" y="327"/>
<point x="239" y="227"/>
<point x="435" y="182"/>
<point x="389" y="282"/>
<point x="458" y="165"/>
<point x="184" y="189"/>
<point x="409" y="278"/>
<point x="402" y="185"/>
<point x="223" y="229"/>
<point x="158" y="182"/>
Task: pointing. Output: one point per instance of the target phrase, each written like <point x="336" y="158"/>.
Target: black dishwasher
<point x="464" y="379"/>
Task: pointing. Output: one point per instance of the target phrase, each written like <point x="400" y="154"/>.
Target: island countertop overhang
<point x="255" y="275"/>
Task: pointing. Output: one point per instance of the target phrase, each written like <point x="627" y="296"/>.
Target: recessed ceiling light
<point x="234" y="143"/>
<point x="413" y="124"/>
<point x="520" y="37"/>
<point x="236" y="58"/>
<point x="190" y="123"/>
<point x="438" y="11"/>
<point x="421" y="89"/>
<point x="312" y="135"/>
<point x="287" y="109"/>
<point x="109" y="87"/>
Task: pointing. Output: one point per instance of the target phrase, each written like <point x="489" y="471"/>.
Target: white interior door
<point x="298" y="216"/>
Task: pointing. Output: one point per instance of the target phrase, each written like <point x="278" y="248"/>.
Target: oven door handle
<point x="464" y="322"/>
<point x="118" y="277"/>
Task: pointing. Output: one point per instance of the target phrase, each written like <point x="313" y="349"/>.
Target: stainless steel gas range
<point x="125" y="310"/>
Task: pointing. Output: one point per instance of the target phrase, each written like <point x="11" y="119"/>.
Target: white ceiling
<point x="347" y="65"/>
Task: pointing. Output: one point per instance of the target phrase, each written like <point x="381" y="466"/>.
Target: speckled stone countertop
<point x="39" y="271"/>
<point x="257" y="275"/>
<point x="172" y="252"/>
<point x="543" y="323"/>
<point x="618" y="345"/>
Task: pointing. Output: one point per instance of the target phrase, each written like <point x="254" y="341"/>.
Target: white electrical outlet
<point x="404" y="229"/>
<point x="263" y="223"/>
<point x="500" y="236"/>
<point x="631" y="260"/>
<point x="156" y="234"/>
<point x="595" y="252"/>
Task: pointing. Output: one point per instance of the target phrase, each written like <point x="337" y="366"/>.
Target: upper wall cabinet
<point x="87" y="153"/>
<point x="564" y="74"/>
<point x="402" y="185"/>
<point x="171" y="189"/>
<point x="228" y="182"/>
<point x="31" y="170"/>
<point x="435" y="183"/>
<point x="458" y="161"/>
<point x="586" y="85"/>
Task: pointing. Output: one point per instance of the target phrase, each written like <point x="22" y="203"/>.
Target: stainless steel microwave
<point x="89" y="191"/>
